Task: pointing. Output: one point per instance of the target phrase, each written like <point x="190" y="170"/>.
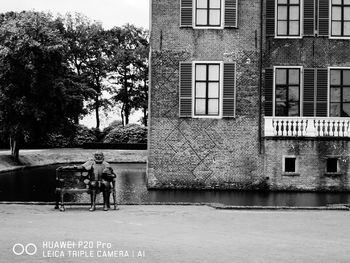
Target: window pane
<point x="293" y="93"/>
<point x="289" y="165"/>
<point x="294" y="76"/>
<point x="294" y="13"/>
<point x="200" y="106"/>
<point x="282" y="12"/>
<point x="202" y="4"/>
<point x="201" y="72"/>
<point x="346" y="2"/>
<point x="202" y="17"/>
<point x="346" y="13"/>
<point x="214" y="18"/>
<point x="346" y="94"/>
<point x="336" y="13"/>
<point x="213" y="90"/>
<point x="213" y="107"/>
<point x="281" y="94"/>
<point x="335" y="77"/>
<point x="332" y="165"/>
<point x="294" y="1"/>
<point x="346" y="77"/>
<point x="281" y="109"/>
<point x="346" y="28"/>
<point x="214" y="3"/>
<point x="281" y="76"/>
<point x="335" y="110"/>
<point x="336" y="28"/>
<point x="282" y="1"/>
<point x="214" y="72"/>
<point x="201" y="90"/>
<point x="335" y="94"/>
<point x="282" y="28"/>
<point x="294" y="28"/>
<point x="336" y="2"/>
<point x="346" y="110"/>
<point x="293" y="109"/>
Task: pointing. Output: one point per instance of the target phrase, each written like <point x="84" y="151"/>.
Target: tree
<point x="38" y="91"/>
<point x="87" y="44"/>
<point x="128" y="52"/>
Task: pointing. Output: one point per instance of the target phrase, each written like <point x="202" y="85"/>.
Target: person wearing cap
<point x="101" y="176"/>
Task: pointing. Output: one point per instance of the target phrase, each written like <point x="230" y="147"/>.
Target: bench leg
<point x="114" y="199"/>
<point x="57" y="199"/>
<point x="62" y="209"/>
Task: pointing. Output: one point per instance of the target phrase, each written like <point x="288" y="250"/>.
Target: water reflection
<point x="38" y="184"/>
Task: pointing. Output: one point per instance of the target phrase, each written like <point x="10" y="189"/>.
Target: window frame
<point x="296" y="171"/>
<point x="338" y="165"/>
<point x="331" y="20"/>
<point x="221" y="82"/>
<point x="222" y="16"/>
<point x="301" y="88"/>
<point x="329" y="91"/>
<point x="301" y="22"/>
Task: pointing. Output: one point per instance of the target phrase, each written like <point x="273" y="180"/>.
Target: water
<point x="38" y="184"/>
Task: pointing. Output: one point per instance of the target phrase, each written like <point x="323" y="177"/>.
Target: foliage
<point x="38" y="91"/>
<point x="128" y="53"/>
<point x="132" y="133"/>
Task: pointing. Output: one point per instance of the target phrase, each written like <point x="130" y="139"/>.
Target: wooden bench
<point x="71" y="180"/>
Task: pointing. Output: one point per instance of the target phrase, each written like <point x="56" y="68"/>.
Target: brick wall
<point x="204" y="153"/>
<point x="311" y="157"/>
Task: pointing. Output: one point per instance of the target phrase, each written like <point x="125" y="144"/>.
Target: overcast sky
<point x="109" y="12"/>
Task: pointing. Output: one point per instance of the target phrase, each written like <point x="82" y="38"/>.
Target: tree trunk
<point x="126" y="98"/>
<point x="14" y="147"/>
<point x="145" y="116"/>
<point x="97" y="107"/>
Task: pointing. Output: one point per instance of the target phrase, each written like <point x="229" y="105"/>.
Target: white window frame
<point x="330" y="25"/>
<point x="284" y="157"/>
<point x="301" y="22"/>
<point x="222" y="10"/>
<point x="221" y="87"/>
<point x="301" y="98"/>
<point x="329" y="90"/>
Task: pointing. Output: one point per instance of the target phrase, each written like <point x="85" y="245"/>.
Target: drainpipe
<point x="261" y="76"/>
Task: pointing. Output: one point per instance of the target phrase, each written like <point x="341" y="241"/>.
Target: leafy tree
<point x="128" y="51"/>
<point x="87" y="44"/>
<point x="38" y="91"/>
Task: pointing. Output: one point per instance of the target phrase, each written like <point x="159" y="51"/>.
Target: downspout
<point x="149" y="90"/>
<point x="261" y="76"/>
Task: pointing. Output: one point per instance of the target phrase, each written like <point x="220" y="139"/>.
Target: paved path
<point x="177" y="234"/>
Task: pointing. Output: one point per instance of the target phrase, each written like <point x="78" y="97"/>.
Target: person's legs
<point x="106" y="188"/>
<point x="93" y="189"/>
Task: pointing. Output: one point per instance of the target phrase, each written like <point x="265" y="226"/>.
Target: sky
<point x="110" y="12"/>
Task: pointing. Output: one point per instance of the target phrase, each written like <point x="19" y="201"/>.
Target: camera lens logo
<point x="20" y="249"/>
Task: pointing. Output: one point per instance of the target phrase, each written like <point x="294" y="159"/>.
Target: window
<point x="289" y="164"/>
<point x="340" y="92"/>
<point x="207" y="90"/>
<point x="332" y="165"/>
<point x="287" y="92"/>
<point x="288" y="18"/>
<point x="208" y="13"/>
<point x="340" y="18"/>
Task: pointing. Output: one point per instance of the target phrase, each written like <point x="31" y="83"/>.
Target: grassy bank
<point x="54" y="156"/>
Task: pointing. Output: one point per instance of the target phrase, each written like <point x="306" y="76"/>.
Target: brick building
<point x="249" y="94"/>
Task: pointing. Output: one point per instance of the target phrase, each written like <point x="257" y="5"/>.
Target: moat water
<point x="38" y="184"/>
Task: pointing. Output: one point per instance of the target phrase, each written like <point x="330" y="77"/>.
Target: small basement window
<point x="289" y="164"/>
<point x="332" y="165"/>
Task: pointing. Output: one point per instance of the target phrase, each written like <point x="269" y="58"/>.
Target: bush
<point x="132" y="133"/>
<point x="83" y="135"/>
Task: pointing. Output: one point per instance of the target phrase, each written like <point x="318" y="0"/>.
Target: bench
<point x="70" y="179"/>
